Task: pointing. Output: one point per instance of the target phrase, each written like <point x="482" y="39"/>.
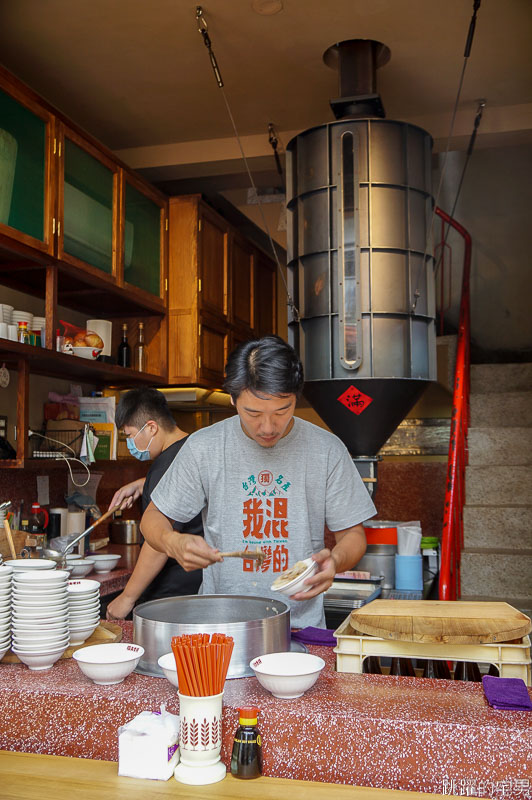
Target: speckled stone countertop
<point x="370" y="730"/>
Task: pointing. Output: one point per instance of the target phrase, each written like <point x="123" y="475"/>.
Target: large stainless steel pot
<point x="124" y="531"/>
<point x="257" y="624"/>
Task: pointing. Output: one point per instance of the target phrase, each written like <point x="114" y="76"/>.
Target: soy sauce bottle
<point x="246" y="759"/>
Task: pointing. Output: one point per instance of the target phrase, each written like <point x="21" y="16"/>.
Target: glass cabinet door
<point x="24" y="168"/>
<point x="142" y="247"/>
<point x="89" y="207"/>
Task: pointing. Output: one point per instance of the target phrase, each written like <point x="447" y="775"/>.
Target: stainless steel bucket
<point x="257" y="624"/>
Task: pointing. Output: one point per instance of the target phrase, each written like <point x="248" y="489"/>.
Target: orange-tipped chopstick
<point x="202" y="662"/>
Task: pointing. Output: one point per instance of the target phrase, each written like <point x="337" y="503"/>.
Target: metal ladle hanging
<point x="60" y="556"/>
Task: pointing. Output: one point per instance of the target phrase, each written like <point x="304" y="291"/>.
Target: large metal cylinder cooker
<point x="257" y="624"/>
<point x="359" y="214"/>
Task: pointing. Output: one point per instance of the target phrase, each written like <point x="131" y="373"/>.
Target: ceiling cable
<point x="203" y="29"/>
<point x="467" y="53"/>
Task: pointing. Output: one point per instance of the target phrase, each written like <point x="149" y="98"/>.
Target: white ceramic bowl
<point x="108" y="663"/>
<point x="287" y="675"/>
<point x="87" y="352"/>
<point x="73" y="557"/>
<point x="38" y="602"/>
<point x="297" y="584"/>
<point x="52" y="578"/>
<point x="167" y="664"/>
<point x="40" y="661"/>
<point x="82" y="567"/>
<point x="105" y="562"/>
<point x="4" y="648"/>
<point x="40" y="645"/>
<point x="81" y="635"/>
<point x="82" y="586"/>
<point x="38" y="593"/>
<point x="31" y="564"/>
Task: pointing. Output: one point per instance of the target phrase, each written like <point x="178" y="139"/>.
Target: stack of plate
<point x="5" y="609"/>
<point x="5" y="313"/>
<point x="84" y="609"/>
<point x="40" y="617"/>
<point x="22" y="316"/>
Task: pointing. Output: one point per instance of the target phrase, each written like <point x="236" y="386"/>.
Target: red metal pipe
<point x="452" y="531"/>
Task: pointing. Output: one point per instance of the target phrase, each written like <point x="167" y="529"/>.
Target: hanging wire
<point x="467" y="53"/>
<point x="203" y="29"/>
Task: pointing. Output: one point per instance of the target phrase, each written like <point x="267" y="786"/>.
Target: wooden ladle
<point x="257" y="555"/>
<point x="10" y="539"/>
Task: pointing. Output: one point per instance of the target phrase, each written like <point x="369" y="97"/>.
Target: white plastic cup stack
<point x="6" y="575"/>
<point x="408" y="539"/>
<point x="84" y="609"/>
<point x="39" y="624"/>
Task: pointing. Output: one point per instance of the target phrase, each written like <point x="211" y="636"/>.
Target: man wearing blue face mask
<point x="145" y="418"/>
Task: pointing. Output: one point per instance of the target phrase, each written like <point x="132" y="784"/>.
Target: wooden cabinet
<point x="81" y="231"/>
<point x="215" y="276"/>
<point x="27" y="188"/>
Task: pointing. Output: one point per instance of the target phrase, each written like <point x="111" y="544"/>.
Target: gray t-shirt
<point x="277" y="498"/>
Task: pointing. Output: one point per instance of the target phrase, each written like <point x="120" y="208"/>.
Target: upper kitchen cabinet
<point x="26" y="169"/>
<point x="88" y="213"/>
<point x="144" y="232"/>
<point x="215" y="275"/>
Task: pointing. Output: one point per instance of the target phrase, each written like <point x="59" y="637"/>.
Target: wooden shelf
<point x="83" y="289"/>
<point x="42" y="361"/>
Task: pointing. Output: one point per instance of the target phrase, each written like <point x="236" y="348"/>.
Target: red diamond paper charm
<point x="355" y="400"/>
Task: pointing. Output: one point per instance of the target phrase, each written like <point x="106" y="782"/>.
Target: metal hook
<point x="200" y="19"/>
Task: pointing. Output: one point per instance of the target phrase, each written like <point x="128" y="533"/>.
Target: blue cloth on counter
<point x="509" y="693"/>
<point x="319" y="636"/>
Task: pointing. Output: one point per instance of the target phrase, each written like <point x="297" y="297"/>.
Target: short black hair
<point x="264" y="366"/>
<point x="137" y="406"/>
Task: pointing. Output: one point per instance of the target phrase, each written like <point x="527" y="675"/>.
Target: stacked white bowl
<point x="5" y="609"/>
<point x="5" y="313"/>
<point x="31" y="564"/>
<point x="84" y="609"/>
<point x="39" y="623"/>
<point x="22" y="316"/>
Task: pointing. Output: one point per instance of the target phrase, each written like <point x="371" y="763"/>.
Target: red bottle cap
<point x="248" y="715"/>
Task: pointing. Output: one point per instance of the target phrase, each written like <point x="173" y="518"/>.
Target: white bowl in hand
<point x="167" y="664"/>
<point x="293" y="580"/>
<point x="287" y="675"/>
<point x="104" y="562"/>
<point x="105" y="664"/>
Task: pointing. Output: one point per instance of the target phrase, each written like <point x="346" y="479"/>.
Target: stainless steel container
<point x="257" y="624"/>
<point x="124" y="531"/>
<point x="379" y="559"/>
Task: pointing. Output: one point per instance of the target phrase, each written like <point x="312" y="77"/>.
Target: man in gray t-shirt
<point x="263" y="478"/>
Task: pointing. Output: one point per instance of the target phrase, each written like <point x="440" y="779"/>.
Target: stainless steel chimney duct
<point x="359" y="209"/>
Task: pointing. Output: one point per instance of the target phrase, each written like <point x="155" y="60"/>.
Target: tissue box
<point x="148" y="746"/>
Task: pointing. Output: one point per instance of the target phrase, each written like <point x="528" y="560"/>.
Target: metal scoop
<point x="60" y="556"/>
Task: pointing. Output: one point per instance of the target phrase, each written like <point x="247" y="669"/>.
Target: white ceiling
<point x="137" y="76"/>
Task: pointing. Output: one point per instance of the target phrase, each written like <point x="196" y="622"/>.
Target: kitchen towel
<point x="320" y="636"/>
<point x="509" y="693"/>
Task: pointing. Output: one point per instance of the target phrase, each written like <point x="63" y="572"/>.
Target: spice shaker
<point x="246" y="758"/>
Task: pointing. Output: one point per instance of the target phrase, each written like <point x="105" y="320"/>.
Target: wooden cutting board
<point x="455" y="622"/>
<point x="105" y="632"/>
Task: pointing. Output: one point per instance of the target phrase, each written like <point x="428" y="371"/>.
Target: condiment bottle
<point x="124" y="350"/>
<point x="23" y="335"/>
<point x="246" y="758"/>
<point x="140" y="352"/>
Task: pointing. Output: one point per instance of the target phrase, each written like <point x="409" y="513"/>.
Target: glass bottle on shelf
<point x="402" y="666"/>
<point x="140" y="351"/>
<point x="23" y="335"/>
<point x="124" y="350"/>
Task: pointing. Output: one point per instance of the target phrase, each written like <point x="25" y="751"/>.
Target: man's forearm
<point x="155" y="528"/>
<point x="150" y="562"/>
<point x="350" y="547"/>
